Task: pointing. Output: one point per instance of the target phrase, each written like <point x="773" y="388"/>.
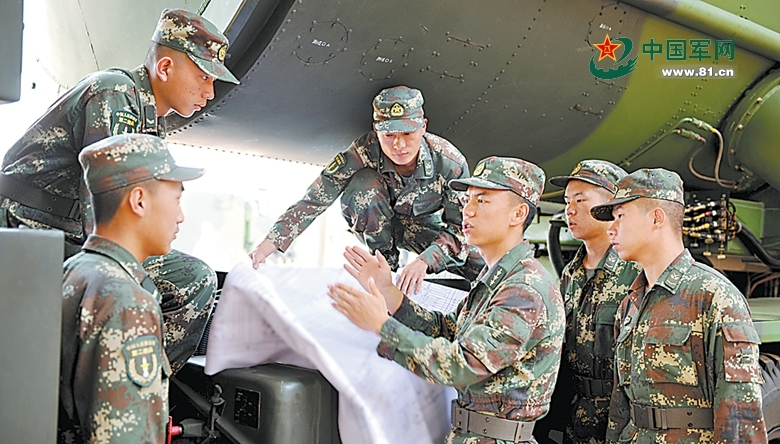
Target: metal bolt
<point x="740" y="127"/>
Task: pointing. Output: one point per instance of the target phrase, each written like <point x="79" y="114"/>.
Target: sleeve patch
<point x="123" y="122"/>
<point x="336" y="164"/>
<point x="142" y="357"/>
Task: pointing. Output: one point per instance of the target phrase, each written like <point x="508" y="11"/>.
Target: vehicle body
<point x="508" y="78"/>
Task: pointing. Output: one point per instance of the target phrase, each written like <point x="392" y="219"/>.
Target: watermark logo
<point x="607" y="49"/>
<point x="674" y="50"/>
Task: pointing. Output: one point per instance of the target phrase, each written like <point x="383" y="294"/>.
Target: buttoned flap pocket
<point x="667" y="355"/>
<point x="426" y="204"/>
<point x="740" y="353"/>
<point x="623" y="355"/>
<point x="604" y="344"/>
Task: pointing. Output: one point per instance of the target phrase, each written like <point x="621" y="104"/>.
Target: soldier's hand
<point x="261" y="252"/>
<point x="412" y="276"/>
<point x="363" y="266"/>
<point x="366" y="310"/>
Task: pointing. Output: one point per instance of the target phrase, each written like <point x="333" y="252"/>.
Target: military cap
<point x="595" y="172"/>
<point x="656" y="183"/>
<point x="127" y="159"/>
<point x="197" y="37"/>
<point x="505" y="173"/>
<point x="398" y="110"/>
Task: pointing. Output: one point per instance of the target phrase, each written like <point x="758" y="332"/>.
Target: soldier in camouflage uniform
<point x="501" y="347"/>
<point x="114" y="371"/>
<point x="394" y="194"/>
<point x="41" y="184"/>
<point x="686" y="358"/>
<point x="593" y="284"/>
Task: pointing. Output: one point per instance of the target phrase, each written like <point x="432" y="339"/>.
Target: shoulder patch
<point x="143" y="358"/>
<point x="336" y="164"/>
<point x="123" y="122"/>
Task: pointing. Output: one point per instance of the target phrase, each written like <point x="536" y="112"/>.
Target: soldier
<point x="501" y="347"/>
<point x="592" y="285"/>
<point x="114" y="372"/>
<point x="41" y="185"/>
<point x="394" y="194"/>
<point x="686" y="358"/>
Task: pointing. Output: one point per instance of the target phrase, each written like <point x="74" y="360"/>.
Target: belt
<point x="39" y="199"/>
<point x="657" y="418"/>
<point x="491" y="426"/>
<point x="592" y="388"/>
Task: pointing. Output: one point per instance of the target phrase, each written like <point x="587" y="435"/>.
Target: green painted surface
<point x="766" y="318"/>
<point x="652" y="105"/>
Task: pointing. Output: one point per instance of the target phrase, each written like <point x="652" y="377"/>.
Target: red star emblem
<point x="607" y="49"/>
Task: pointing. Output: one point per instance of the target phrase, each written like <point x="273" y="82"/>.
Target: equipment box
<point x="271" y="403"/>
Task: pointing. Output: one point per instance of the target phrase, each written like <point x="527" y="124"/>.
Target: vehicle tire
<point x="770" y="390"/>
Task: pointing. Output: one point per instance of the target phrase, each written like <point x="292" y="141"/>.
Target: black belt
<point x="592" y="388"/>
<point x="491" y="426"/>
<point x="657" y="418"/>
<point x="39" y="199"/>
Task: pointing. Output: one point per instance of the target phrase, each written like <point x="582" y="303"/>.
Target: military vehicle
<point x="687" y="85"/>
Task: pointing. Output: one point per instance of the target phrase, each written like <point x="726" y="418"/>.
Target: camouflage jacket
<point x="102" y="104"/>
<point x="589" y="348"/>
<point x="438" y="162"/>
<point x="500" y="348"/>
<point x="687" y="342"/>
<point x="113" y="369"/>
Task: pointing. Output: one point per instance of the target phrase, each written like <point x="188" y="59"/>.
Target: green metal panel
<point x="766" y="317"/>
<point x="653" y="105"/>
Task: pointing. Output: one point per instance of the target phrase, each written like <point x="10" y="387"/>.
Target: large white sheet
<point x="283" y="314"/>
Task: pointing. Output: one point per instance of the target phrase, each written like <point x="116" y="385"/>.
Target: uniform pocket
<point x="623" y="356"/>
<point x="604" y="345"/>
<point x="667" y="355"/>
<point x="740" y="353"/>
<point x="426" y="205"/>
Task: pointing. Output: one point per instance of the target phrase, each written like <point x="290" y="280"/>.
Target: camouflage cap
<point x="197" y="37"/>
<point x="398" y="110"/>
<point x="654" y="183"/>
<point x="505" y="173"/>
<point x="596" y="172"/>
<point x="127" y="159"/>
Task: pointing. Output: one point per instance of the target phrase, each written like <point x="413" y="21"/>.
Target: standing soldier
<point x="501" y="347"/>
<point x="592" y="284"/>
<point x="114" y="373"/>
<point x="41" y="184"/>
<point x="686" y="356"/>
<point x="393" y="183"/>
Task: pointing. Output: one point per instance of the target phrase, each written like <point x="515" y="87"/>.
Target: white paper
<point x="283" y="314"/>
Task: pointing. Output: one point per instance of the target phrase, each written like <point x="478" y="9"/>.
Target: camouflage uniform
<point x="589" y="349"/>
<point x="386" y="210"/>
<point x="43" y="166"/>
<point x="112" y="327"/>
<point x="585" y="380"/>
<point x="501" y="347"/>
<point x="686" y="345"/>
<point x="114" y="371"/>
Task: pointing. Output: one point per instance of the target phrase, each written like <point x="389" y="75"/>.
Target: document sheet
<point x="283" y="314"/>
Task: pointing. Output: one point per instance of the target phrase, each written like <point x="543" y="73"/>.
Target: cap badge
<point x="221" y="53"/>
<point x="576" y="169"/>
<point x="397" y="110"/>
<point x="479" y="169"/>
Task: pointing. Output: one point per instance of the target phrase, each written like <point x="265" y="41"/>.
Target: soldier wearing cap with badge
<point x="686" y="357"/>
<point x="114" y="371"/>
<point x="501" y="347"/>
<point x="593" y="284"/>
<point x="393" y="183"/>
<point x="41" y="184"/>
